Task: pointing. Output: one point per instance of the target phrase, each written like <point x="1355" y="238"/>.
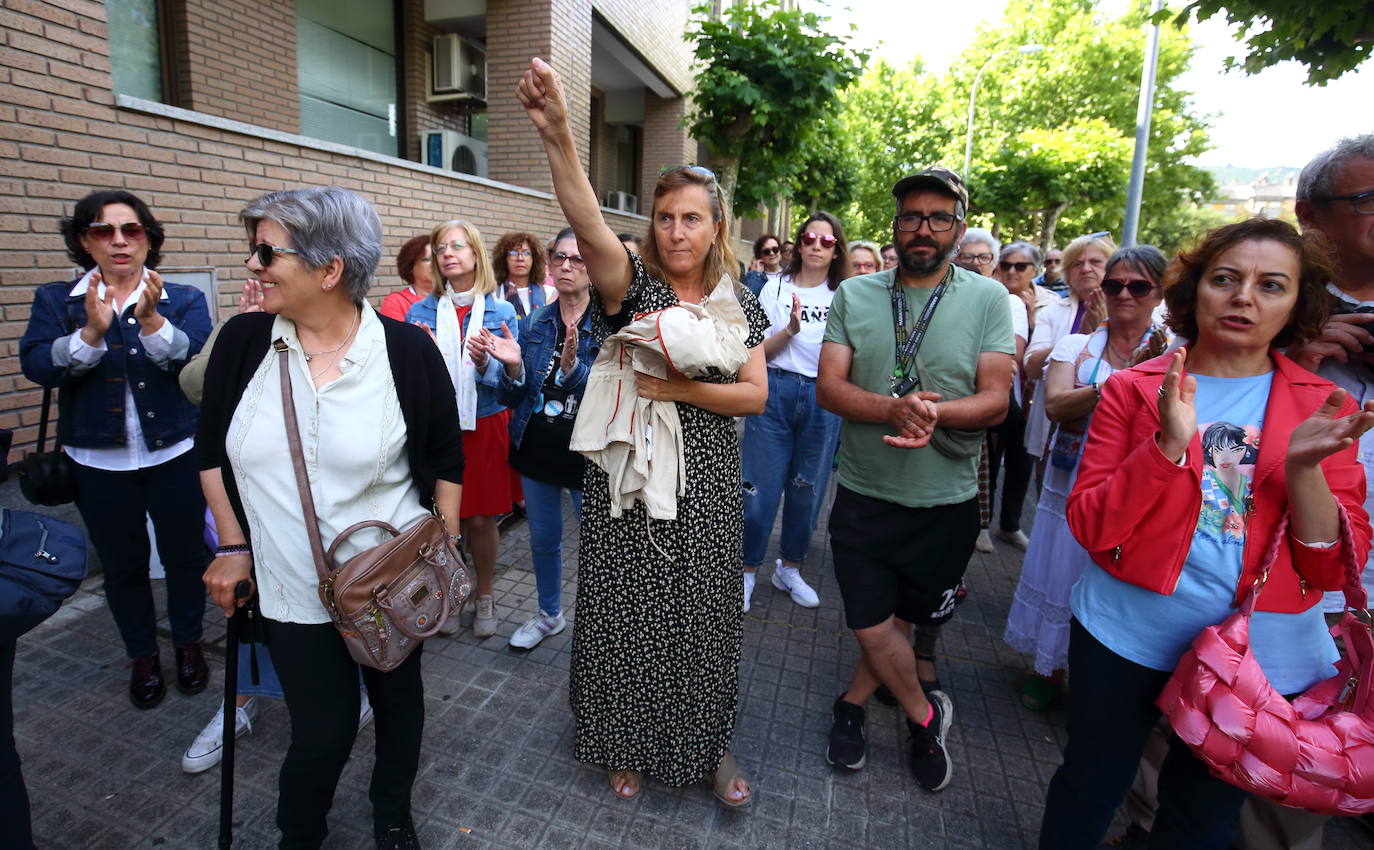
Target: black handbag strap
<point x="43" y="424"/>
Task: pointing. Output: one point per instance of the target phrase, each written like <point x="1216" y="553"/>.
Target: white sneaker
<point x="208" y="748"/>
<point x="1016" y="539"/>
<point x="364" y="710"/>
<point x="452" y="625"/>
<point x="484" y="622"/>
<point x="748" y="589"/>
<point x="984" y="543"/>
<point x="790" y="580"/>
<point x="536" y="629"/>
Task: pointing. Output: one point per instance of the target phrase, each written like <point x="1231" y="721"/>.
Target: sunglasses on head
<point x="1007" y="266"/>
<point x="694" y="169"/>
<point x="1137" y="288"/>
<point x="768" y="252"/>
<point x="104" y="231"/>
<point x="809" y="238"/>
<point x="266" y="253"/>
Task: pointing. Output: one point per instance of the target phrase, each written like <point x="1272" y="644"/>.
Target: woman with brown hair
<point x="517" y="261"/>
<point x="659" y="629"/>
<point x="1180" y="516"/>
<point x="415" y="265"/>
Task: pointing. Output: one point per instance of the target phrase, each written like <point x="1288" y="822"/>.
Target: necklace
<point x="335" y="350"/>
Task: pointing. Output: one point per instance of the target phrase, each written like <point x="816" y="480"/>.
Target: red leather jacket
<point x="1135" y="510"/>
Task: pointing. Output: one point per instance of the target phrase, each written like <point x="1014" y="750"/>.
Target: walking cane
<point x="231" y="694"/>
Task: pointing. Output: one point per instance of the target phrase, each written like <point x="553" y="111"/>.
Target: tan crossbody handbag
<point x="386" y="599"/>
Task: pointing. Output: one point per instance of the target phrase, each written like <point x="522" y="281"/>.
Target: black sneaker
<point x="929" y="760"/>
<point x="400" y="837"/>
<point x="847" y="748"/>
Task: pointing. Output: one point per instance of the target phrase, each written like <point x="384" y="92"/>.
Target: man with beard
<point x="918" y="362"/>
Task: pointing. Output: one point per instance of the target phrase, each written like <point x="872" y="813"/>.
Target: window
<point x="136" y="49"/>
<point x="346" y="70"/>
<point x="627" y="144"/>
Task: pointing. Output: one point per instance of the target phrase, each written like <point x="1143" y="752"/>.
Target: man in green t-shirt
<point x="917" y="360"/>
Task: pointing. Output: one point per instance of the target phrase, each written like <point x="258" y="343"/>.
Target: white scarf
<point x="448" y="333"/>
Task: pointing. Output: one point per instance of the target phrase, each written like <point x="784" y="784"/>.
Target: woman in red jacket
<point x="1192" y="461"/>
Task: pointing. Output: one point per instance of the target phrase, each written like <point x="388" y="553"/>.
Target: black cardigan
<point x="434" y="440"/>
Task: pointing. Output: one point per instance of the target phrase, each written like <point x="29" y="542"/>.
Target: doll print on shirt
<point x="1229" y="452"/>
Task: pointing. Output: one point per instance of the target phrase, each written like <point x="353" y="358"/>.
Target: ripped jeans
<point x="788" y="453"/>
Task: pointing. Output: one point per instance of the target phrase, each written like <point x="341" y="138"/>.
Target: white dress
<point x="1038" y="624"/>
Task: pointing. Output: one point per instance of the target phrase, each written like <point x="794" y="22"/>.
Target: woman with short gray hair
<point x="378" y="427"/>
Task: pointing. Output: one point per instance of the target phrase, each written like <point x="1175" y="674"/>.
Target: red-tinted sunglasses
<point x="809" y="238"/>
<point x="104" y="231"/>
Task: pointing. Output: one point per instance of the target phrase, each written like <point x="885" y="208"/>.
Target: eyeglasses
<point x="1363" y="202"/>
<point x="861" y="266"/>
<point x="104" y="231"/>
<point x="768" y="252"/>
<point x="694" y="169"/>
<point x="515" y="255"/>
<point x="1138" y="288"/>
<point x="578" y="263"/>
<point x="980" y="259"/>
<point x="266" y="253"/>
<point x="1052" y="262"/>
<point x="939" y="222"/>
<point x="456" y="245"/>
<point x="1007" y="266"/>
<point x="809" y="238"/>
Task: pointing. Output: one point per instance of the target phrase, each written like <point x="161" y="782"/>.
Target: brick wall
<point x="559" y="31"/>
<point x="61" y="135"/>
<point x="665" y="143"/>
<point x="655" y="31"/>
<point x="420" y="114"/>
<point x="236" y="59"/>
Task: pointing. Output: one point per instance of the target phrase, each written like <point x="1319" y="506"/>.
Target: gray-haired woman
<point x="379" y="431"/>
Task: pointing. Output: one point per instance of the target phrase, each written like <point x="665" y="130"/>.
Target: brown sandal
<point x="721" y="779"/>
<point x="636" y="780"/>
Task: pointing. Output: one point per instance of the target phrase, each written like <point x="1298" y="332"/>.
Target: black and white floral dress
<point x="656" y="641"/>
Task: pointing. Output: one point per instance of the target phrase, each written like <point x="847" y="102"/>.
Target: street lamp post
<point x="1025" y="50"/>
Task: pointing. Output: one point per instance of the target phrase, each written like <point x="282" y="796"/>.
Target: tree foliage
<point x="1330" y="37"/>
<point x="767" y="81"/>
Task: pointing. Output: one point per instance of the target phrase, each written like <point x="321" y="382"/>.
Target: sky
<point x="1268" y="120"/>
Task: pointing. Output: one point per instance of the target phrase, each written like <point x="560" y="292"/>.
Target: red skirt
<point x="486" y="472"/>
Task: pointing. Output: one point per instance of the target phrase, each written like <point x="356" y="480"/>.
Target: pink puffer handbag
<point x="1315" y="753"/>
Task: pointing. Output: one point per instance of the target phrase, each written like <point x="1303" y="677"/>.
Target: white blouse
<point x="353" y="437"/>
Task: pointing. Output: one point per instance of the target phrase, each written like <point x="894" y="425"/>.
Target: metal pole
<point x="972" y="100"/>
<point x="1144" y="110"/>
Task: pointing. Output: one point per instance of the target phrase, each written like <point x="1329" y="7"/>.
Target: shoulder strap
<point x="293" y="439"/>
<point x="43" y="422"/>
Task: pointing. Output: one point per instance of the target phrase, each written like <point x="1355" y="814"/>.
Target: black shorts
<point x="894" y="560"/>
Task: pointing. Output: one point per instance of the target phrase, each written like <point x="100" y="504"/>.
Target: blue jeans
<point x="788" y="453"/>
<point x="544" y="509"/>
<point x="1111" y="712"/>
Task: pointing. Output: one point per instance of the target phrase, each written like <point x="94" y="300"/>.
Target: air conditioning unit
<point x="460" y="68"/>
<point x="623" y="201"/>
<point x="454" y="151"/>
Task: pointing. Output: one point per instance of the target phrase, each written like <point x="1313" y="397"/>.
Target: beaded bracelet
<point x="233" y="549"/>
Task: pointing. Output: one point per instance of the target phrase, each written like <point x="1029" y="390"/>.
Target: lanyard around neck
<point x="904" y="377"/>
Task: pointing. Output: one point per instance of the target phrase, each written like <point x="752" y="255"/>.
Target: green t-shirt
<point x="973" y="317"/>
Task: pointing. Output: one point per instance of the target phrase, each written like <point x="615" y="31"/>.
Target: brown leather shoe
<point x="192" y="672"/>
<point x="146" y="687"/>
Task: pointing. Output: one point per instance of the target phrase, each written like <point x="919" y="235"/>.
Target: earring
<point x="328" y="286"/>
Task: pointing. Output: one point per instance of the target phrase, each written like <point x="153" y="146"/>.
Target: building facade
<point x="200" y="105"/>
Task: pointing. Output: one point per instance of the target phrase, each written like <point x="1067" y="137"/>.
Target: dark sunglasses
<point x="104" y="231"/>
<point x="809" y="238"/>
<point x="768" y="252"/>
<point x="1007" y="266"/>
<point x="1137" y="288"/>
<point x="577" y="262"/>
<point x="1053" y="262"/>
<point x="265" y="253"/>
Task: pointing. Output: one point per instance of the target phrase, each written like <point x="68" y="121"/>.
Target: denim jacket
<point x="425" y="311"/>
<point x="538" y="341"/>
<point x="91" y="404"/>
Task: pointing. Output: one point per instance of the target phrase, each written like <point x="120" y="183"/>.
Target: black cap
<point x="937" y="177"/>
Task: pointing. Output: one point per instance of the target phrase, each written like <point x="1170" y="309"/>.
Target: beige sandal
<point x="723" y="777"/>
<point x="636" y="780"/>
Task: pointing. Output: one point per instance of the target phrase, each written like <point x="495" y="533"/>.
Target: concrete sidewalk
<point x="497" y="769"/>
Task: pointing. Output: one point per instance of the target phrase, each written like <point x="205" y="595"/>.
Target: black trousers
<point x="320" y="681"/>
<point x="16" y="832"/>
<point x="113" y="506"/>
<point x="1007" y="441"/>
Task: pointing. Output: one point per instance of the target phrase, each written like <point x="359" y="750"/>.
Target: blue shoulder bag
<point x="42" y="562"/>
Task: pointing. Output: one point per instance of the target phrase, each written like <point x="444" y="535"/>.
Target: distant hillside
<point x="1225" y="174"/>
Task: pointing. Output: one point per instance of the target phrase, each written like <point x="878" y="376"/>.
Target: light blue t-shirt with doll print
<point x="1153" y="630"/>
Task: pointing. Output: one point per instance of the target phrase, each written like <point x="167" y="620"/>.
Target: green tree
<point x="767" y="77"/>
<point x="1330" y="37"/>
